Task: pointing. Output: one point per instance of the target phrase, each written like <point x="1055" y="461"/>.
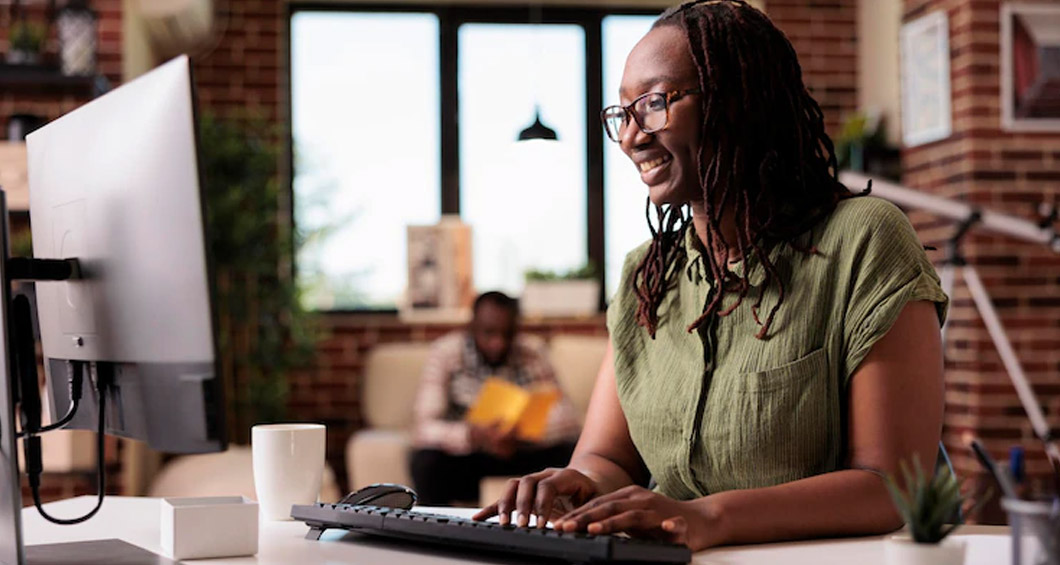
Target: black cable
<point x="75" y="386"/>
<point x="52" y="427"/>
<point x="34" y="467"/>
<point x="24" y="363"/>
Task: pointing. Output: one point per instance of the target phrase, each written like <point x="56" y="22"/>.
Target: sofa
<point x="379" y="452"/>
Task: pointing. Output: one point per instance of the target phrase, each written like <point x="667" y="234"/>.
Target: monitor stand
<point x="101" y="552"/>
<point x="10" y="483"/>
<point x="12" y="552"/>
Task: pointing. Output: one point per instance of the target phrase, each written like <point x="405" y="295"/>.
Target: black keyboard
<point x="547" y="543"/>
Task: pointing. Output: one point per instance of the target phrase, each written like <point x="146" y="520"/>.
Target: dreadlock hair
<point x="765" y="158"/>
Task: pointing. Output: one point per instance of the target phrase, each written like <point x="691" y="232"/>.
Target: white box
<point x="215" y="526"/>
<point x="578" y="297"/>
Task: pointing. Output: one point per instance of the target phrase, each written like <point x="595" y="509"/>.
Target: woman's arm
<point x="896" y="401"/>
<point x="895" y="412"/>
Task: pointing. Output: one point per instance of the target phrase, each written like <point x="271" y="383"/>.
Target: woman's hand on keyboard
<point x="642" y="513"/>
<point x="546" y="494"/>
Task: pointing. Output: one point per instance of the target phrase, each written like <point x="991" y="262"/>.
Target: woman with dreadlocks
<point x="775" y="346"/>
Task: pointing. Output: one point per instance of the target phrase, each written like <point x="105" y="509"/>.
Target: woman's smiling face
<point x="666" y="159"/>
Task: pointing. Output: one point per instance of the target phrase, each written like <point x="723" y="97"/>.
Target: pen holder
<point x="1035" y="530"/>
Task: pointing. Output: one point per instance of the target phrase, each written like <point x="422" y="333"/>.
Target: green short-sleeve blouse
<point x="719" y="409"/>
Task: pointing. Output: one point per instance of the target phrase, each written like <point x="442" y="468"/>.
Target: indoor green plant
<point x="263" y="332"/>
<point x="570" y="293"/>
<point x="931" y="508"/>
<point x="862" y="145"/>
<point x="585" y="272"/>
<point x="26" y="42"/>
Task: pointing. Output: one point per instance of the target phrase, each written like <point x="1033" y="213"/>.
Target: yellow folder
<point x="511" y="406"/>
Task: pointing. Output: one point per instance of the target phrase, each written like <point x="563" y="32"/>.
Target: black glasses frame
<point x="668" y="97"/>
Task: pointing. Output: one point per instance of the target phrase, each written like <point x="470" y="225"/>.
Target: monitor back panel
<point x="115" y="183"/>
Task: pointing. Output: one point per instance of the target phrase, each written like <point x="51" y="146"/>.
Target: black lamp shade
<point x="537" y="130"/>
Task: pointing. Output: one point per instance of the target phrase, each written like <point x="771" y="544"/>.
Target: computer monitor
<point x="115" y="184"/>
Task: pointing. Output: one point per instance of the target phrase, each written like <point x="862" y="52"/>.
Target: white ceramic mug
<point x="288" y="466"/>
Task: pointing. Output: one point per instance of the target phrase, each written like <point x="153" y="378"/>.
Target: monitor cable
<point x="25" y="364"/>
<point x="75" y="386"/>
<point x="34" y="465"/>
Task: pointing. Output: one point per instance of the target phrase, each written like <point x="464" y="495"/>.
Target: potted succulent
<point x="931" y="509"/>
<point x="26" y="41"/>
<point x="571" y="293"/>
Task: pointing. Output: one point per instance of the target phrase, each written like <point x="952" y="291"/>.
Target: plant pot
<point x="560" y="298"/>
<point x="22" y="57"/>
<point x="902" y="550"/>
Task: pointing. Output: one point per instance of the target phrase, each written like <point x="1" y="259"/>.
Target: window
<point x="524" y="200"/>
<point x="402" y="115"/>
<point x="625" y="195"/>
<point x="365" y="122"/>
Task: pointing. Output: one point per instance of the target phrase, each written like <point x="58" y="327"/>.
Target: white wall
<point x="138" y="56"/>
<point x="878" y="61"/>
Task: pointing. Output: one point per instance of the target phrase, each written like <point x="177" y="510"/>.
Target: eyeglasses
<point x="651" y="112"/>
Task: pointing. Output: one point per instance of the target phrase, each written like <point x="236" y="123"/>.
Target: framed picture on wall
<point x="925" y="44"/>
<point x="1030" y="66"/>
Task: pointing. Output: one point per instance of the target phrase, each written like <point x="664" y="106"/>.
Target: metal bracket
<point x="26" y="269"/>
<point x="953" y="246"/>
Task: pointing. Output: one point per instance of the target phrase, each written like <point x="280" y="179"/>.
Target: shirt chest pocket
<point x="771" y="426"/>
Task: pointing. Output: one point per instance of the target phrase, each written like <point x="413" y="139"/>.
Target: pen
<point x="1001" y="476"/>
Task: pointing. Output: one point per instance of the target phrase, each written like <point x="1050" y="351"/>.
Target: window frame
<point x="450" y="18"/>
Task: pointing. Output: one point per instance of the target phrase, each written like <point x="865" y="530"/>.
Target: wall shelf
<point x="37" y="78"/>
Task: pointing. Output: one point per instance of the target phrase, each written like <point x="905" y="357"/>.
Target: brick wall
<point x="1006" y="172"/>
<point x="52" y="102"/>
<point x="243" y="72"/>
<point x="824" y="34"/>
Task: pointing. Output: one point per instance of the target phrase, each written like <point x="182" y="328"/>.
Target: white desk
<point x="136" y="520"/>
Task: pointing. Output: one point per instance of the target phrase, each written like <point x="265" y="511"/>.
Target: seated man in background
<point x="451" y="455"/>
